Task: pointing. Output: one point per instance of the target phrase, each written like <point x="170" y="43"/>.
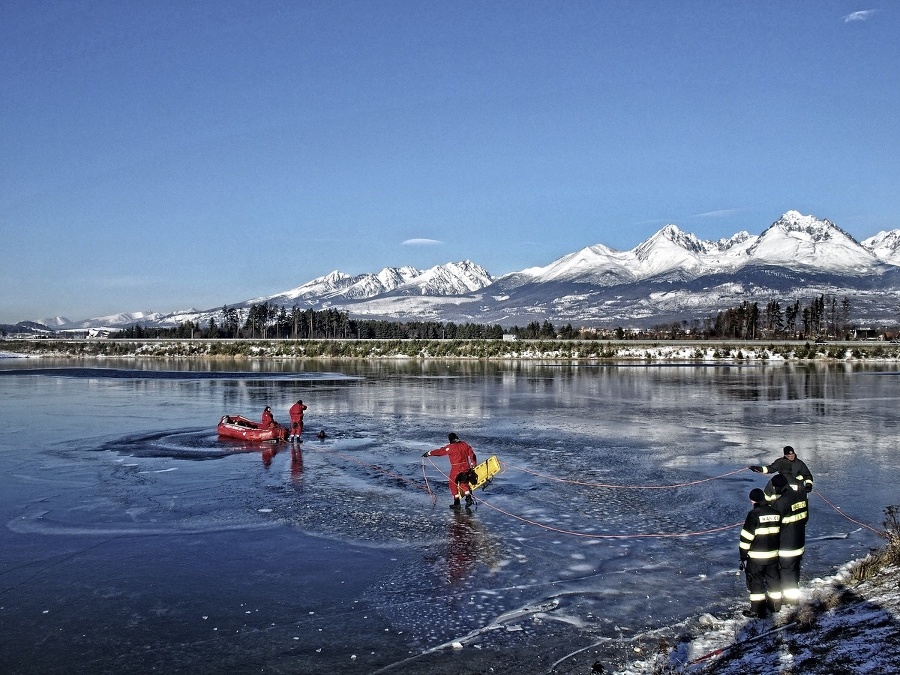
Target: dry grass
<point x="888" y="556"/>
<point x="863" y="570"/>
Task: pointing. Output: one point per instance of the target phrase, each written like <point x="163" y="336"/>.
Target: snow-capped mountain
<point x="455" y="278"/>
<point x="125" y="319"/>
<point x="55" y="321"/>
<point x="803" y="242"/>
<point x="795" y="241"/>
<point x="673" y="275"/>
<point x="885" y="245"/>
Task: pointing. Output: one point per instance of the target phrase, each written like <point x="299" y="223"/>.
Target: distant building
<point x="866" y="334"/>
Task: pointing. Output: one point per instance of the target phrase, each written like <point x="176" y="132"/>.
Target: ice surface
<point x="599" y="529"/>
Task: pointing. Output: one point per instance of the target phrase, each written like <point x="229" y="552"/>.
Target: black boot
<point x="756" y="611"/>
<point x="455" y="504"/>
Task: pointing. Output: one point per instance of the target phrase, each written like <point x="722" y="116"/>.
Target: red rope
<point x="625" y="487"/>
<point x="381" y="470"/>
<point x="425" y="476"/>
<point x="868" y="527"/>
<point x="717" y="652"/>
<point x="504" y="465"/>
<point x="608" y="536"/>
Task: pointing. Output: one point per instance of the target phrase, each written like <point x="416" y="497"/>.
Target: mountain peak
<point x="452" y="278"/>
<point x="53" y="321"/>
<point x="669" y="250"/>
<point x="685" y="240"/>
<point x="817" y="229"/>
<point x="335" y="276"/>
<point x="885" y="245"/>
<point x="733" y="241"/>
<point x="797" y="241"/>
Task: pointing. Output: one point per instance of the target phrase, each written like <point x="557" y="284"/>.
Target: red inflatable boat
<point x="236" y="426"/>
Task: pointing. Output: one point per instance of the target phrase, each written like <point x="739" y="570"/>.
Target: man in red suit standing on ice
<point x="296" y="413"/>
<point x="462" y="458"/>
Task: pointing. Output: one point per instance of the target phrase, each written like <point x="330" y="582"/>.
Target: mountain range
<point x="672" y="276"/>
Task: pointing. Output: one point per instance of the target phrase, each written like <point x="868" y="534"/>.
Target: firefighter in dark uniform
<point x="794" y="511"/>
<point x="795" y="470"/>
<point x="759" y="556"/>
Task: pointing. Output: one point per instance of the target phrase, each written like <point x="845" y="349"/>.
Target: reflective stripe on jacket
<point x="760" y="534"/>
<point x="796" y="472"/>
<point x="794" y="511"/>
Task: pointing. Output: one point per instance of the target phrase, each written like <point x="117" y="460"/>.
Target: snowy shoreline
<point x="570" y="351"/>
<point x="840" y="626"/>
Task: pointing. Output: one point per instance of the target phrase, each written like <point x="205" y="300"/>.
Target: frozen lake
<point x="135" y="540"/>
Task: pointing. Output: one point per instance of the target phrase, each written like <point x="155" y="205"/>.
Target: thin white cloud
<point x="722" y="213"/>
<point x="422" y="242"/>
<point x="861" y="15"/>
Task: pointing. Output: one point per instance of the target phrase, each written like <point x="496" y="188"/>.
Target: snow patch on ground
<point x="839" y="627"/>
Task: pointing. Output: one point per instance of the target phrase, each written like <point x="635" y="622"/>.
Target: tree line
<point x="822" y="316"/>
<point x="270" y="321"/>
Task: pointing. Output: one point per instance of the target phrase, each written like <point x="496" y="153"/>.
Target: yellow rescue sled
<point x="484" y="472"/>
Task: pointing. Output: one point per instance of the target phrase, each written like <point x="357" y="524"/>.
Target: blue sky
<point x="165" y="155"/>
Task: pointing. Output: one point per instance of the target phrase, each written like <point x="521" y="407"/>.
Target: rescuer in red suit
<point x="462" y="458"/>
<point x="268" y="421"/>
<point x="296" y="413"/>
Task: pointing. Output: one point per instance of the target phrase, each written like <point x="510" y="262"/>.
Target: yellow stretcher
<point x="485" y="472"/>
